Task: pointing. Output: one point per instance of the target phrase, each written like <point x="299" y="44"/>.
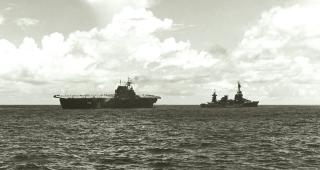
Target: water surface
<point x="177" y="137"/>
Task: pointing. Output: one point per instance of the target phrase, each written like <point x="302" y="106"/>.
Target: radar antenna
<point x="129" y="82"/>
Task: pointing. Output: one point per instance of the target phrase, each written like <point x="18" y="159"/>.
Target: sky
<point x="180" y="50"/>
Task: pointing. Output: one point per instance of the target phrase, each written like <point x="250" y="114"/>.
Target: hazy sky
<point x="178" y="49"/>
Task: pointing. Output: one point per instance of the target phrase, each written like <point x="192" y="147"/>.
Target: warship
<point x="239" y="100"/>
<point x="124" y="97"/>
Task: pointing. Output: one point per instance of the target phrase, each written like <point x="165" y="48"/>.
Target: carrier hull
<point x="98" y="103"/>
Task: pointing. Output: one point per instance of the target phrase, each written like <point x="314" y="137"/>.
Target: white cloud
<point x="123" y="3"/>
<point x="277" y="60"/>
<point x="8" y="9"/>
<point x="2" y="19"/>
<point x="105" y="8"/>
<point x="282" y="52"/>
<point x="98" y="58"/>
<point x="26" y="22"/>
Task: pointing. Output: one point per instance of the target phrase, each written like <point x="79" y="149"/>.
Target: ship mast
<point x="239" y="87"/>
<point x="239" y="96"/>
<point x="214" y="96"/>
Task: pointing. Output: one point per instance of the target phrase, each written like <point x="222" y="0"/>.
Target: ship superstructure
<point x="124" y="97"/>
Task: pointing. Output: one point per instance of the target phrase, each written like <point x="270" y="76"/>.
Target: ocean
<point x="165" y="137"/>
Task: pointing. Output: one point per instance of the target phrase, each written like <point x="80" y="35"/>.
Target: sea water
<point x="165" y="137"/>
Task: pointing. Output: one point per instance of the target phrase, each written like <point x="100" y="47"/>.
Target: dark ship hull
<point x="233" y="105"/>
<point x="98" y="103"/>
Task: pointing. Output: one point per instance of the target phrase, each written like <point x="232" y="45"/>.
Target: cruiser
<point x="238" y="101"/>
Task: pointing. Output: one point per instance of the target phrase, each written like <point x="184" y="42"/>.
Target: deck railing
<point x="98" y="96"/>
<point x="84" y="96"/>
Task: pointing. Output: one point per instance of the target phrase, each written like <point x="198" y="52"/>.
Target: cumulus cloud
<point x="8" y="9"/>
<point x="93" y="61"/>
<point x="105" y="8"/>
<point x="277" y="60"/>
<point x="1" y="19"/>
<point x="123" y="3"/>
<point x="281" y="54"/>
<point x="26" y="22"/>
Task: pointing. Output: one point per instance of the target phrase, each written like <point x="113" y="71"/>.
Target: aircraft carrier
<point x="124" y="97"/>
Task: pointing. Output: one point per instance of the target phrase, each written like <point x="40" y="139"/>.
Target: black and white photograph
<point x="159" y="84"/>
